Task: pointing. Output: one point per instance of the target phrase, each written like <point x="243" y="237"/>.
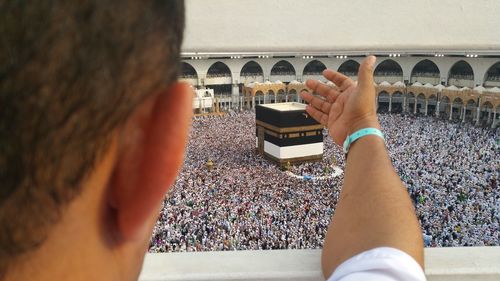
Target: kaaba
<point x="286" y="133"/>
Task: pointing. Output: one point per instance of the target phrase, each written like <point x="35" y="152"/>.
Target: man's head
<point x="92" y="126"/>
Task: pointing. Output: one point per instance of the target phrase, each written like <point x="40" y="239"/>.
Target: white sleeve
<point x="379" y="264"/>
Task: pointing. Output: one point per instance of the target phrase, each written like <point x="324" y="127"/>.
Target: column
<point x="489" y="115"/>
<point x="404" y="103"/>
<point x="426" y="106"/>
<point x="415" y="106"/>
<point x="478" y="113"/>
<point x="286" y="97"/>
<point x="437" y="109"/>
<point x="235" y="91"/>
<point x="494" y="123"/>
<point x="390" y="103"/>
<point x="253" y="102"/>
<point x="451" y="109"/>
<point x="463" y="113"/>
<point x="234" y="95"/>
<point x="275" y="98"/>
<point x="201" y="79"/>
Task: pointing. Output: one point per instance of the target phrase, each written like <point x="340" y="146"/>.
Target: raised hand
<point x="347" y="108"/>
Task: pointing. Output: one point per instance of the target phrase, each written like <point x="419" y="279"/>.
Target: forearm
<point x="374" y="209"/>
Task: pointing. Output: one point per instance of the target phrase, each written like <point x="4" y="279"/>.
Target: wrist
<point x="362" y="133"/>
<point x="370" y="122"/>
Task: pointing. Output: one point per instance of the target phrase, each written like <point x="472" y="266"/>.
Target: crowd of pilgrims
<point x="245" y="202"/>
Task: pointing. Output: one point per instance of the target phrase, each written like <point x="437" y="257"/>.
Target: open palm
<point x="346" y="108"/>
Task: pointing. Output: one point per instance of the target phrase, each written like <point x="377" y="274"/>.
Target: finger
<point x="329" y="93"/>
<point x="342" y="81"/>
<point x="365" y="74"/>
<point x="319" y="116"/>
<point x="305" y="95"/>
<point x="317" y="102"/>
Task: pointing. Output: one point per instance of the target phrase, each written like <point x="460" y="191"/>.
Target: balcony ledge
<point x="442" y="264"/>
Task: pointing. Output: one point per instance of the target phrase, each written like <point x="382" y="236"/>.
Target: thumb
<point x="365" y="73"/>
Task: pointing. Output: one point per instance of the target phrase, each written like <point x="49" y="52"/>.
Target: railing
<point x="283" y="77"/>
<point x="426" y="74"/>
<point x="390" y="79"/>
<point x="461" y="82"/>
<point x="442" y="264"/>
<point x="220" y="80"/>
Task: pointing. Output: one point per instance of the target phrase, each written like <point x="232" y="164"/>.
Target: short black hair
<point x="70" y="73"/>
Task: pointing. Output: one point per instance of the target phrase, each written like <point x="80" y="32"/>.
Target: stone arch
<point x="283" y="67"/>
<point x="281" y="96"/>
<point x="284" y="71"/>
<point x="458" y="100"/>
<point x="270" y="96"/>
<point x="383" y="99"/>
<point x="251" y="72"/>
<point x="432" y="104"/>
<point x="432" y="97"/>
<point x="260" y="97"/>
<point x="421" y="102"/>
<point x="492" y="76"/>
<point x="486" y="105"/>
<point x="188" y="74"/>
<point x="470" y="109"/>
<point x="397" y="100"/>
<point x="218" y="68"/>
<point x="411" y="99"/>
<point x="457" y="105"/>
<point x="314" y="67"/>
<point x="445" y="100"/>
<point x="425" y="71"/>
<point x="292" y="95"/>
<point x="485" y="113"/>
<point x="188" y="71"/>
<point x="349" y="68"/>
<point x="444" y="105"/>
<point x="461" y="74"/>
<point x="219" y="78"/>
<point x="388" y="70"/>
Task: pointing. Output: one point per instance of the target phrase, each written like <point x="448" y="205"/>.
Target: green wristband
<point x="361" y="133"/>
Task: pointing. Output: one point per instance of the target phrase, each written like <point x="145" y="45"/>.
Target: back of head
<point x="70" y="73"/>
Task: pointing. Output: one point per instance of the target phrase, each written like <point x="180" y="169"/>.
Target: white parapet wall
<point x="442" y="264"/>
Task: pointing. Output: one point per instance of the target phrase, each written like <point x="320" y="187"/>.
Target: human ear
<point x="150" y="154"/>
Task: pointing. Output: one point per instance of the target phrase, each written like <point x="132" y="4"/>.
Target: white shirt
<point x="379" y="264"/>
